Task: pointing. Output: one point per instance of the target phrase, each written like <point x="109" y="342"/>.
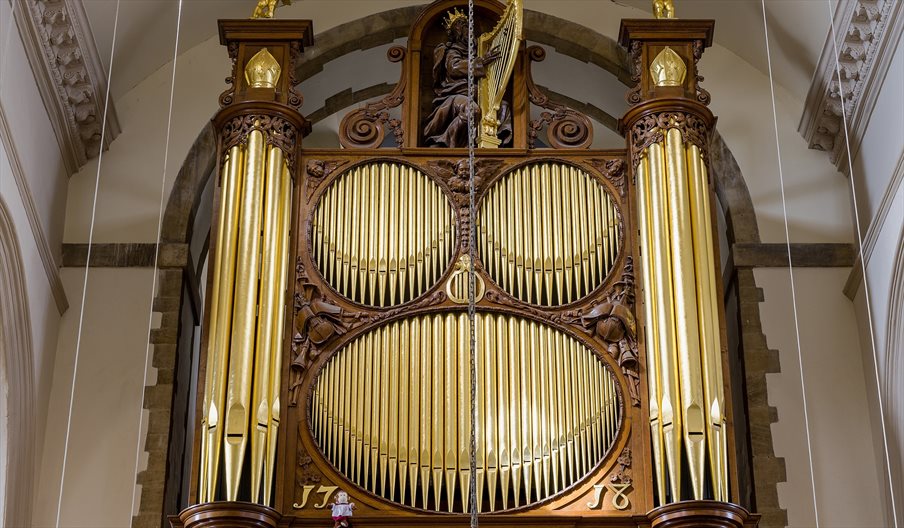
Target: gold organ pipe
<point x="383" y="234"/>
<point x="238" y="389"/>
<point x="220" y="324"/>
<point x="651" y="341"/>
<point x="507" y="433"/>
<point x="687" y="327"/>
<point x="269" y="304"/>
<point x="549" y="233"/>
<point x="682" y="329"/>
<point x="538" y="406"/>
<point x="670" y="406"/>
<point x="707" y="302"/>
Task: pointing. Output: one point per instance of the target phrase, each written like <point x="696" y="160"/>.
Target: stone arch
<point x="17" y="356"/>
<point x="567" y="38"/>
<point x="892" y="382"/>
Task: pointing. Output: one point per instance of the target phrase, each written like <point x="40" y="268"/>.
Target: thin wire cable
<point x="81" y="315"/>
<point x="869" y="311"/>
<point x="147" y="351"/>
<point x="472" y="309"/>
<point x="800" y="358"/>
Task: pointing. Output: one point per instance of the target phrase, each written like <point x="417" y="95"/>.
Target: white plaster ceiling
<point x="146" y="29"/>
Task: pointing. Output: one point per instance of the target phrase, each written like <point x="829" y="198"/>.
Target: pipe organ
<point x="337" y="339"/>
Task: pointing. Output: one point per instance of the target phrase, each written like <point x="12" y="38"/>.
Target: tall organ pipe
<point x="681" y="311"/>
<point x="241" y="394"/>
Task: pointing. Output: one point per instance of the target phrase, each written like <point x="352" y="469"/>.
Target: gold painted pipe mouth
<point x="391" y="412"/>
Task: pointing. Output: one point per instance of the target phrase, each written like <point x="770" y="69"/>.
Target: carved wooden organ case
<point x="369" y="388"/>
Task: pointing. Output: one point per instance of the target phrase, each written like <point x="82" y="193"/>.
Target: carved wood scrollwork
<point x="316" y="322"/>
<point x="635" y="57"/>
<point x="456" y="176"/>
<point x="650" y="129"/>
<point x="611" y="320"/>
<point x="622" y="474"/>
<point x="295" y="98"/>
<point x="366" y="127"/>
<point x="702" y="95"/>
<point x="317" y="171"/>
<point x="228" y="94"/>
<point x="277" y="131"/>
<point x="565" y="128"/>
<point x="614" y="171"/>
<point x="306" y="473"/>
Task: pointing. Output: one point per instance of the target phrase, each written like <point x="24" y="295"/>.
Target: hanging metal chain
<point x="472" y="311"/>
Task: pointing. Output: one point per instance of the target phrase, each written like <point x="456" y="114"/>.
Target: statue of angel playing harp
<point x="447" y="124"/>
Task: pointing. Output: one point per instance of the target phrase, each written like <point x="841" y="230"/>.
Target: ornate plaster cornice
<point x="69" y="74"/>
<point x="866" y="32"/>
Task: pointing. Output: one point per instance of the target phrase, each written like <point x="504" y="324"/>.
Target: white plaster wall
<point x="106" y="414"/>
<point x="36" y="149"/>
<point x="35" y="141"/>
<point x="878" y="172"/>
<point x="881" y="146"/>
<point x="847" y="487"/>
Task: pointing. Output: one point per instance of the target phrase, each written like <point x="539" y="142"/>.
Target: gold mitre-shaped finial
<point x="668" y="68"/>
<point x="663" y="9"/>
<point x="453" y="16"/>
<point x="262" y="70"/>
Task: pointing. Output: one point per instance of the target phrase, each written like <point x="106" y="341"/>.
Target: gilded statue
<point x="663" y="9"/>
<point x="265" y="8"/>
<point x="447" y="125"/>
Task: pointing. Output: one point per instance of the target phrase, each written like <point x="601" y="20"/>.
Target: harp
<point x="505" y="37"/>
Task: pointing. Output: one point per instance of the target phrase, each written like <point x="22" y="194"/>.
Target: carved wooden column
<point x="668" y="128"/>
<point x="259" y="130"/>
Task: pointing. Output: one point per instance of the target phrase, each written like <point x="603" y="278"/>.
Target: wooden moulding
<point x="226" y="514"/>
<point x="702" y="514"/>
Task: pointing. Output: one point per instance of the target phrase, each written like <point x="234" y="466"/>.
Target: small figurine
<point x="342" y="510"/>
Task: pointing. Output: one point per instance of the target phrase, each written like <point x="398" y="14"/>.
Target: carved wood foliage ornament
<point x="457" y="178"/>
<point x="615" y="171"/>
<point x="611" y="320"/>
<point x="317" y="171"/>
<point x="278" y="132"/>
<point x="650" y="129"/>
